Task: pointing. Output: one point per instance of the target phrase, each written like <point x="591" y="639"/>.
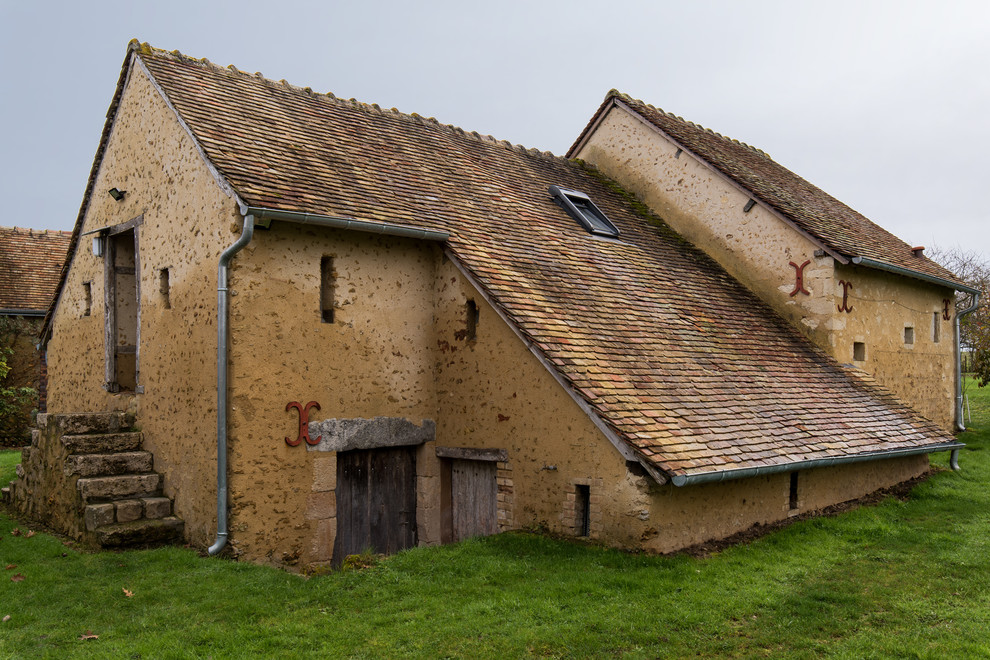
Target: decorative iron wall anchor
<point x="799" y="279"/>
<point x="303" y="423"/>
<point x="945" y="308"/>
<point x="845" y="306"/>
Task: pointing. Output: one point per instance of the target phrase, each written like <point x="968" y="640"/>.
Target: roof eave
<point x="745" y="473"/>
<point x="907" y="272"/>
<point x="264" y="216"/>
<point x="14" y="311"/>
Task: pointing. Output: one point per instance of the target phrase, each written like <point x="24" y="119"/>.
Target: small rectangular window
<point x="164" y="288"/>
<point x="793" y="495"/>
<point x="859" y="351"/>
<point x="582" y="510"/>
<point x="326" y="289"/>
<point x="88" y="297"/>
<point x="936" y="327"/>
<point x="909" y="335"/>
<point x="580" y="207"/>
<point x="471" y="310"/>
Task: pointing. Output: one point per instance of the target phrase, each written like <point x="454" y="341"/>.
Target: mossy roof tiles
<point x="837" y="226"/>
<point x="679" y="360"/>
<point x="30" y="262"/>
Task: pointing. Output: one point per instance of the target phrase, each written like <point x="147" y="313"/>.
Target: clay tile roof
<point x="838" y="227"/>
<point x="679" y="361"/>
<point x="30" y="262"/>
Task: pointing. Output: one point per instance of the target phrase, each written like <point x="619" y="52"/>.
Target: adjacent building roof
<point x="30" y="262"/>
<point x="677" y="360"/>
<point x="840" y="229"/>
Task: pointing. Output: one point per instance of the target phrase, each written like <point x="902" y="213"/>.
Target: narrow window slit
<point x="471" y="312"/>
<point x="909" y="335"/>
<point x="936" y="327"/>
<point x="164" y="288"/>
<point x="793" y="495"/>
<point x="326" y="289"/>
<point x="582" y="510"/>
<point x="88" y="294"/>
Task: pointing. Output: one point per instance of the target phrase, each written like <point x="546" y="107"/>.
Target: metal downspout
<point x="960" y="426"/>
<point x="222" y="351"/>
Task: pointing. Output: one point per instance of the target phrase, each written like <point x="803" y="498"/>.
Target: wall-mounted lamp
<point x="117" y="194"/>
<point x="97" y="246"/>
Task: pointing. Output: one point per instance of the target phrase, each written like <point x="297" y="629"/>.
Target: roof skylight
<point x="580" y="207"/>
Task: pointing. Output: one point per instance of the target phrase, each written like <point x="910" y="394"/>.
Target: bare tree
<point x="973" y="268"/>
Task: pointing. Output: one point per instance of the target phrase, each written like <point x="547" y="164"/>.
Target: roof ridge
<point x="144" y="48"/>
<point x="31" y="231"/>
<point x="614" y="93"/>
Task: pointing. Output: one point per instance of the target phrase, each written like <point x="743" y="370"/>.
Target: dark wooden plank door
<point x="376" y="501"/>
<point x="473" y="498"/>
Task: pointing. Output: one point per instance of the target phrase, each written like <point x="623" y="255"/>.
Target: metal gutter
<point x="960" y="425"/>
<point x="907" y="272"/>
<point x="21" y="312"/>
<point x="223" y="297"/>
<point x="262" y="214"/>
<point x="744" y="473"/>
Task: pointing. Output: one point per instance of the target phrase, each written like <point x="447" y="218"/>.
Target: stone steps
<point x="87" y="423"/>
<point x="119" y="487"/>
<point x="102" y="443"/>
<point x="141" y="532"/>
<point x="116" y="463"/>
<point x="107" y="491"/>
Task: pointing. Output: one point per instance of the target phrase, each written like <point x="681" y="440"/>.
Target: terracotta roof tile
<point x="30" y="262"/>
<point x="838" y="227"/>
<point x="679" y="360"/>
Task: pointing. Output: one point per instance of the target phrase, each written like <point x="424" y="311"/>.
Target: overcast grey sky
<point x="885" y="105"/>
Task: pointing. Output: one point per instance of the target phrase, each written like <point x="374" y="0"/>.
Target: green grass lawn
<point x="901" y="579"/>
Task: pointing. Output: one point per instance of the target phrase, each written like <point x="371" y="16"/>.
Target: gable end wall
<point x="758" y="248"/>
<point x="187" y="221"/>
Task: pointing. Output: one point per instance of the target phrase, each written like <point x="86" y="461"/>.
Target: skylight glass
<point x="580" y="207"/>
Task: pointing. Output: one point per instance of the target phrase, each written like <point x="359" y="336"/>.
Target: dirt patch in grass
<point x="901" y="491"/>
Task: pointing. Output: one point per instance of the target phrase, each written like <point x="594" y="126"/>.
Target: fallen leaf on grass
<point x="6" y="618"/>
<point x="16" y="531"/>
<point x="11" y="567"/>
<point x="88" y="635"/>
<point x="17" y="578"/>
<point x="128" y="593"/>
<point x="29" y="534"/>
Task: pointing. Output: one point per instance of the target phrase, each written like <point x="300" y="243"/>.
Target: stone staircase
<point x="86" y="476"/>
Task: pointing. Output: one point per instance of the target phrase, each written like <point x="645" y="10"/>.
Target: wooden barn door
<point x="376" y="501"/>
<point x="473" y="499"/>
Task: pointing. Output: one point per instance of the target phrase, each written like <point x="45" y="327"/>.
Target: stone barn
<point x="301" y="327"/>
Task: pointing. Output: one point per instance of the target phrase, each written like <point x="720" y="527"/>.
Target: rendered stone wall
<point x="187" y="221"/>
<point x="921" y="373"/>
<point x="493" y="393"/>
<point x="691" y="515"/>
<point x="758" y="249"/>
<point x="376" y="359"/>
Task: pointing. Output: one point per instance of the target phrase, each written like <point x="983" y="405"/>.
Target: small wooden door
<point x="376" y="501"/>
<point x="473" y="499"/>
